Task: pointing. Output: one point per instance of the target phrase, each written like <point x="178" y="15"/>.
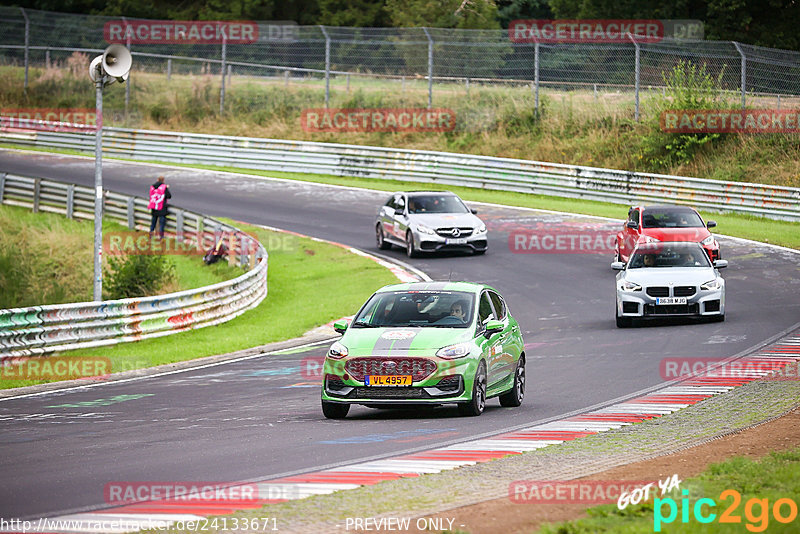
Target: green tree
<point x="359" y="13"/>
<point x="510" y="10"/>
<point x="464" y="14"/>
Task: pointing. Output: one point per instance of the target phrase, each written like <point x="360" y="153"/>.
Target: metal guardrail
<point x="573" y="181"/>
<point x="39" y="330"/>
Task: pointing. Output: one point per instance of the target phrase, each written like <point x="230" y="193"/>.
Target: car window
<point x="485" y="311"/>
<point x="391" y="203"/>
<point x="499" y="305"/>
<point x="445" y="309"/>
<point x="671" y="218"/>
<point x="436" y="204"/>
<point x="683" y="255"/>
<point x="633" y="215"/>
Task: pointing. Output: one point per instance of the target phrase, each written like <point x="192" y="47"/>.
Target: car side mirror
<point x="632" y="224"/>
<point x="711" y="224"/>
<point x="618" y="265"/>
<point x="340" y="326"/>
<point x="721" y="264"/>
<point x="474" y="211"/>
<point x="492" y="327"/>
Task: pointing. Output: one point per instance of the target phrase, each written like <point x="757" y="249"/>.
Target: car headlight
<point x="630" y="286"/>
<point x="708" y="240"/>
<point x="337" y="351"/>
<point x="716" y="283"/>
<point x="421" y="228"/>
<point x="481" y="229"/>
<point x="452" y="352"/>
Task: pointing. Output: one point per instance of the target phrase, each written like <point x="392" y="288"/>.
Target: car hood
<point x="446" y="220"/>
<point x="679" y="276"/>
<point x="402" y="341"/>
<point x="677" y="234"/>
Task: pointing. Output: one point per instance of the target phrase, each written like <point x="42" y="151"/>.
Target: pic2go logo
<point x="756" y="511"/>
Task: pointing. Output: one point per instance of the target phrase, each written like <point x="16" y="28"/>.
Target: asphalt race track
<point x="260" y="417"/>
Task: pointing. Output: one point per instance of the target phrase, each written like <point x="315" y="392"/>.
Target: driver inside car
<point x="458" y="310"/>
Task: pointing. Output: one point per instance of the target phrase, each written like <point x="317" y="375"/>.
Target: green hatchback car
<point x="426" y="343"/>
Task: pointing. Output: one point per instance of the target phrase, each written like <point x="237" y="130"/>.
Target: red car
<point x="651" y="224"/>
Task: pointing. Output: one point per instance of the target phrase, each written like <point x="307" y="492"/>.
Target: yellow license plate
<point x="387" y="380"/>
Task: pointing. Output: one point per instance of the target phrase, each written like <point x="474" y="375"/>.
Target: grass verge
<point x="760" y="485"/>
<point x="310" y="283"/>
<point x="46" y="258"/>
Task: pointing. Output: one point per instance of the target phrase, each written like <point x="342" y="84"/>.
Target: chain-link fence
<point x="413" y="57"/>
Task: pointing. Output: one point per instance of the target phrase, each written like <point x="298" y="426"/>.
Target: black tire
<point x="624" y="322"/>
<point x="411" y="251"/>
<point x="513" y="397"/>
<point x="382" y="244"/>
<point x="334" y="410"/>
<point x="476" y="405"/>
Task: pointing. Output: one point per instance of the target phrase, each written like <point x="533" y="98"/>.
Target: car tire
<point x="382" y="243"/>
<point x="334" y="410"/>
<point x="624" y="322"/>
<point x="411" y="251"/>
<point x="513" y="397"/>
<point x="475" y="406"/>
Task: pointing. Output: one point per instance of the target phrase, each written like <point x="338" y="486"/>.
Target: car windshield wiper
<point x="362" y="324"/>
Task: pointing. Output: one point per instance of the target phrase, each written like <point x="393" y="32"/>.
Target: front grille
<point x="448" y="232"/>
<point x="630" y="307"/>
<point x="418" y="368"/>
<point x="684" y="291"/>
<point x="658" y="291"/>
<point x="391" y="393"/>
<point x="712" y="305"/>
<point x="673" y="309"/>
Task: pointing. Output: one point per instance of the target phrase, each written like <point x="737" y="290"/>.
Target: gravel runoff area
<point x="433" y="495"/>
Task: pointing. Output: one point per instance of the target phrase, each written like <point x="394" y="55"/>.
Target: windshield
<point x="678" y="255"/>
<point x="445" y="309"/>
<point x="671" y="218"/>
<point x="436" y="204"/>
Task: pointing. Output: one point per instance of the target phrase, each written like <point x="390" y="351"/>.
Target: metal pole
<point x="744" y="73"/>
<point x="222" y="72"/>
<point x="637" y="74"/>
<point x="47" y="58"/>
<point x="536" y="76"/>
<point x="327" y="66"/>
<point x="169" y="69"/>
<point x="98" y="188"/>
<point x="27" y="43"/>
<point x="430" y="67"/>
<point x="128" y="32"/>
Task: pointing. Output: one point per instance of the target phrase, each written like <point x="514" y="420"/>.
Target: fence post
<point x="27" y="43"/>
<point x="430" y="67"/>
<point x="131" y="214"/>
<point x="327" y="65"/>
<point x="536" y="76"/>
<point x="37" y="189"/>
<point x="744" y="73"/>
<point x="169" y="68"/>
<point x="179" y="224"/>
<point x="2" y="186"/>
<point x="222" y="72"/>
<point x="70" y="201"/>
<point x="47" y="58"/>
<point x="637" y="74"/>
<point x="466" y="84"/>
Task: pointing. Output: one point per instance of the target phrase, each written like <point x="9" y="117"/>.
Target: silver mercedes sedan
<point x="429" y="221"/>
<point x="668" y="279"/>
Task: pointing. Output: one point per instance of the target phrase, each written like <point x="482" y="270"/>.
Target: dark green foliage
<point x="136" y="275"/>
